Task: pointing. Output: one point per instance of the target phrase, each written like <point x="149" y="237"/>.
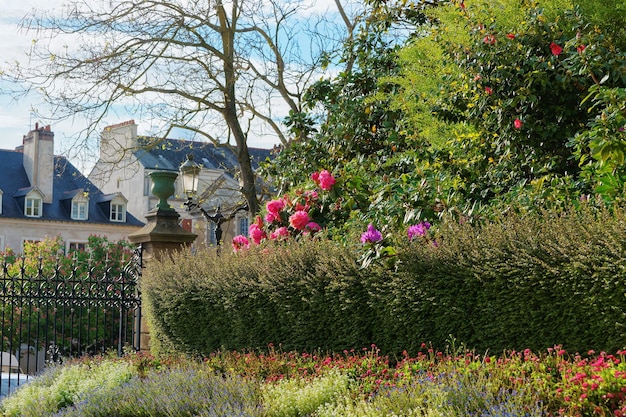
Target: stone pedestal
<point x="162" y="234"/>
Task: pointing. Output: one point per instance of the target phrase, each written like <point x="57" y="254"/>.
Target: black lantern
<point x="189" y="172"/>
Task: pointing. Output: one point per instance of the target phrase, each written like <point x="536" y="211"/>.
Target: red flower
<point x="556" y="49"/>
<point x="518" y="124"/>
<point x="581" y="48"/>
<point x="324" y="179"/>
<point x="510" y="35"/>
<point x="489" y="39"/>
<point x="299" y="219"/>
<point x="488" y="90"/>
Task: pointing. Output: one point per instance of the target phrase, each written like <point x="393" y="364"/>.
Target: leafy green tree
<point x="379" y="163"/>
<point x="514" y="79"/>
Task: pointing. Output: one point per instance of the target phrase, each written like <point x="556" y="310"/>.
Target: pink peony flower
<point x="275" y="206"/>
<point x="256" y="231"/>
<point x="271" y="218"/>
<point x="371" y="235"/>
<point x="280" y="232"/>
<point x="326" y="180"/>
<point x="518" y="124"/>
<point x="313" y="227"/>
<point x="556" y="49"/>
<point x="299" y="219"/>
<point x="240" y="242"/>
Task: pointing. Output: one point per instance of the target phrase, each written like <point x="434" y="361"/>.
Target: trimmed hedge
<point x="518" y="282"/>
<point x="305" y="297"/>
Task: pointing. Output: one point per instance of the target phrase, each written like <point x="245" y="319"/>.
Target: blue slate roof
<point x="68" y="181"/>
<point x="169" y="154"/>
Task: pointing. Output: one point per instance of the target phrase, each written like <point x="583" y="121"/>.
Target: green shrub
<point x="303" y="296"/>
<point x="64" y="386"/>
<point x="189" y="391"/>
<point x="518" y="281"/>
<point x="300" y="397"/>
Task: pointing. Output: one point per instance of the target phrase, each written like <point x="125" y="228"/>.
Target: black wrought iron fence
<point x="53" y="312"/>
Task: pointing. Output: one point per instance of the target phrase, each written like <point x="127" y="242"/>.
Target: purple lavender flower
<point x="372" y="235"/>
<point x="419" y="229"/>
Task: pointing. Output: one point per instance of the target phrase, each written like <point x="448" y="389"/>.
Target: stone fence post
<point x="162" y="234"/>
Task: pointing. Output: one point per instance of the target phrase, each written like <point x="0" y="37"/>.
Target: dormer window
<point x="114" y="205"/>
<point x="33" y="204"/>
<point x="80" y="206"/>
<point x="118" y="212"/>
<point x="79" y="210"/>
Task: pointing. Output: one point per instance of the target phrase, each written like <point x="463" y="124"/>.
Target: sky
<point x="16" y="117"/>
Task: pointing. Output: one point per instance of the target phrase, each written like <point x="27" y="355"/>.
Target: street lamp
<point x="189" y="171"/>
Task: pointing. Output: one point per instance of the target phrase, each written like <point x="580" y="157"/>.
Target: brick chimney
<point x="38" y="148"/>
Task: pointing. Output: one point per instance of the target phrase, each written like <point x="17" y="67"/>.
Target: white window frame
<point x="243" y="225"/>
<point x="118" y="212"/>
<point x="77" y="243"/>
<point x="1" y="193"/>
<point x="2" y="247"/>
<point x="34" y="210"/>
<point x="80" y="210"/>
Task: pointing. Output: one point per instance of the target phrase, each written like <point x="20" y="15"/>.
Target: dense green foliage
<point x="480" y="106"/>
<point x="303" y="296"/>
<point x="520" y="282"/>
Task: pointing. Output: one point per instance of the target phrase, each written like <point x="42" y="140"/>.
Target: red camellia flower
<point x="556" y="49"/>
<point x="324" y="179"/>
<point x="299" y="219"/>
<point x="489" y="39"/>
<point x="518" y="124"/>
<point x="240" y="242"/>
<point x="256" y="232"/>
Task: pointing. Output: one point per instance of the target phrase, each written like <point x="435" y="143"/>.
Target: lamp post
<point x="189" y="172"/>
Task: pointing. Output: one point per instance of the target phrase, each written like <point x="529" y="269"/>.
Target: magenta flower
<point x="313" y="227"/>
<point x="419" y="229"/>
<point x="280" y="232"/>
<point x="275" y="206"/>
<point x="256" y="233"/>
<point x="556" y="49"/>
<point x="299" y="219"/>
<point x="271" y="218"/>
<point x="240" y="242"/>
<point x="324" y="179"/>
<point x="371" y="235"/>
<point x="518" y="124"/>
